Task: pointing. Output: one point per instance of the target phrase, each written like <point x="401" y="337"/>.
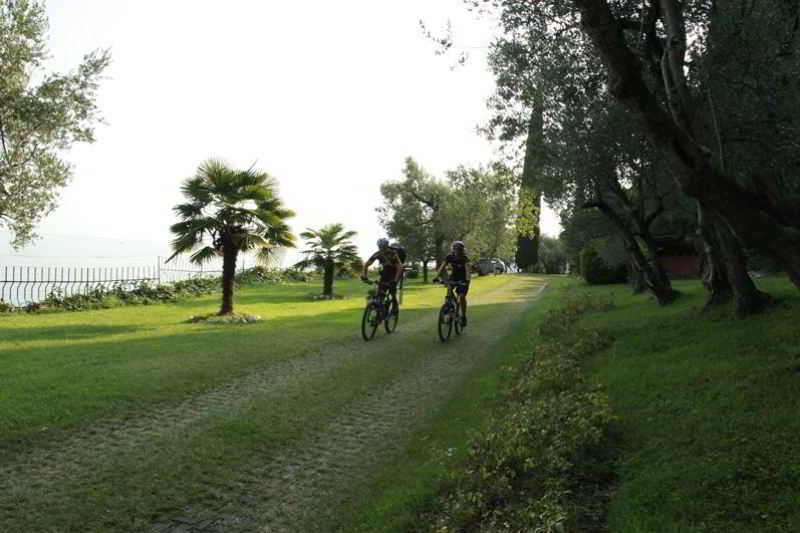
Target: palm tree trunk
<point x="229" y="254"/>
<point x="327" y="286"/>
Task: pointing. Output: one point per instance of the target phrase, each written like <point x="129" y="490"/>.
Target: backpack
<point x="401" y="253"/>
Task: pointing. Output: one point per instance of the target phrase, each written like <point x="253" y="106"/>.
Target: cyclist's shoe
<point x="436" y="280"/>
<point x="464" y="321"/>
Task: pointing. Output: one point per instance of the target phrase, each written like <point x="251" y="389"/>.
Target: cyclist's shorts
<point x="463" y="289"/>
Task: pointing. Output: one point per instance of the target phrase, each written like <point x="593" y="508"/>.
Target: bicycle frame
<point x="379" y="301"/>
<point x="450" y="313"/>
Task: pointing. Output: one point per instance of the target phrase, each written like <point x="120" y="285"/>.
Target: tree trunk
<point x="756" y="222"/>
<point x="440" y="253"/>
<point x="424" y="271"/>
<point x="725" y="269"/>
<point x="327" y="284"/>
<point x="714" y="274"/>
<point x="748" y="298"/>
<point x="654" y="276"/>
<point x="229" y="254"/>
<point x="637" y="280"/>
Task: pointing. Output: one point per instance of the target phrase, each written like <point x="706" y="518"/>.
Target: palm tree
<point x="329" y="249"/>
<point x="237" y="211"/>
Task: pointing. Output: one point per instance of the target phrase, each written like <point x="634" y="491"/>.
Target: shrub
<point x="541" y="459"/>
<point x="260" y="274"/>
<point x="596" y="271"/>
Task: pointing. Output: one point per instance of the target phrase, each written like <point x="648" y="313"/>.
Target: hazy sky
<point x="327" y="96"/>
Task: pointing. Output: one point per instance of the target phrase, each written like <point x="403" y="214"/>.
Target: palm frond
<point x="196" y="189"/>
<point x="188" y="210"/>
<point x="248" y="241"/>
<point x="203" y="255"/>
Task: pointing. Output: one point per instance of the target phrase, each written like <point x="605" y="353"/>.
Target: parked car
<point x="490" y="266"/>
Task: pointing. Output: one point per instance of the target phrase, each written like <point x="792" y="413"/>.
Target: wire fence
<point x="23" y="285"/>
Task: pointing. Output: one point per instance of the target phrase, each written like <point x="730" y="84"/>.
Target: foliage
<point x="145" y="293"/>
<point x="482" y="210"/>
<point x="596" y="271"/>
<point x="105" y="296"/>
<point x="475" y="205"/>
<point x="331" y="251"/>
<point x="413" y="212"/>
<point x="536" y="463"/>
<point x="41" y="116"/>
<point x="552" y="256"/>
<point x="230" y="211"/>
<point x="261" y="274"/>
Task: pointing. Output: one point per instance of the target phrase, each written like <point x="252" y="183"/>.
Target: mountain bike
<point x="450" y="313"/>
<point x="379" y="309"/>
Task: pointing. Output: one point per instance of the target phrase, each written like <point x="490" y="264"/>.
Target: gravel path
<point x="279" y="492"/>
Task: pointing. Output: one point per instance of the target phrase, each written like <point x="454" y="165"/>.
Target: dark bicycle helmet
<point x="457" y="245"/>
<point x="383" y="243"/>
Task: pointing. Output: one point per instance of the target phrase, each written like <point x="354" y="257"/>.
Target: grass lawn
<point x="406" y="488"/>
<point x="61" y="369"/>
<point x="63" y="374"/>
<point x="708" y="406"/>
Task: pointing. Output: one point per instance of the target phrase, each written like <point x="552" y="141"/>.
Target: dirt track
<point x="280" y="491"/>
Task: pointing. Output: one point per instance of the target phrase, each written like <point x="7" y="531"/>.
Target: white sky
<point x="327" y="96"/>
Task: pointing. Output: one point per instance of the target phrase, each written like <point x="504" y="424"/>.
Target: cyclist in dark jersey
<point x="391" y="268"/>
<point x="459" y="271"/>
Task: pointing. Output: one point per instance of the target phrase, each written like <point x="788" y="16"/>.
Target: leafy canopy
<point x="41" y="116"/>
<point x="230" y="211"/>
<point x="329" y="245"/>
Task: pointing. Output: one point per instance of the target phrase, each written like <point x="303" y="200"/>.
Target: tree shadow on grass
<point x="138" y="372"/>
<point x="67" y="332"/>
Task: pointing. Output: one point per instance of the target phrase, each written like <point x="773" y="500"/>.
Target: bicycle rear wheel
<point x="391" y="321"/>
<point x="369" y="323"/>
<point x="445" y="323"/>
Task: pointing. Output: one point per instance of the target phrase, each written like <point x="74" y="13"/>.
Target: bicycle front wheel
<point x="369" y="323"/>
<point x="445" y="323"/>
<point x="391" y="321"/>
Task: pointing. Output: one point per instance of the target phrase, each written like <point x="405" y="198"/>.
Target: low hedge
<point x="542" y="463"/>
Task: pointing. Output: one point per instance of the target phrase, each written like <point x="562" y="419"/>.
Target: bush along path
<point x="546" y="462"/>
<point x="267" y="451"/>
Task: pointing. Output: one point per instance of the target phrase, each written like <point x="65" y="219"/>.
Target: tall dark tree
<point x="692" y="75"/>
<point x="229" y="212"/>
<point x="530" y="196"/>
<point x="755" y="219"/>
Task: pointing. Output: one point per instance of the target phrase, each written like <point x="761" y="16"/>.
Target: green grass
<point x="406" y="488"/>
<point x="707" y="418"/>
<point x="61" y="369"/>
<point x="708" y="405"/>
<point x="60" y="372"/>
